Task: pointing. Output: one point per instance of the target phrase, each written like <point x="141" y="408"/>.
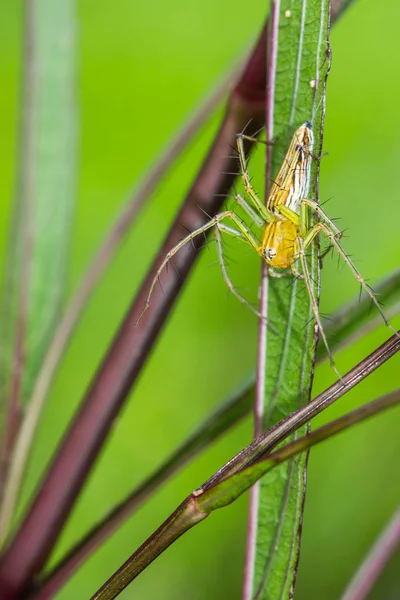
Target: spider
<point x="284" y="225"/>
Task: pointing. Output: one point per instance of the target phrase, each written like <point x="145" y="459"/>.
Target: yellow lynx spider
<point x="283" y="223"/>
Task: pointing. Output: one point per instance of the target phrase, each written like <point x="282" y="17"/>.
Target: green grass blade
<point x="36" y="261"/>
<point x="302" y="65"/>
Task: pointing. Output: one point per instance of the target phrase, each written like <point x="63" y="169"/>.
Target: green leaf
<point x="47" y="176"/>
<point x="300" y="76"/>
<point x="36" y="261"/>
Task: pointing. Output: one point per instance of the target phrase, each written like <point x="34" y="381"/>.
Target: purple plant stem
<point x="123" y="225"/>
<point x="181" y="520"/>
<point x="301" y="416"/>
<point x="56" y="496"/>
<point x="382" y="551"/>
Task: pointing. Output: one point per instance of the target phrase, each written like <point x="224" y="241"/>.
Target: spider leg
<point x="301" y="246"/>
<point x="243" y="233"/>
<point x="331" y="234"/>
<point x="276" y="274"/>
<point x="219" y="228"/>
<point x="259" y="206"/>
<point x="295" y="272"/>
<point x="248" y="209"/>
<point x="304" y="223"/>
<point x="256" y="140"/>
<point x="322" y="215"/>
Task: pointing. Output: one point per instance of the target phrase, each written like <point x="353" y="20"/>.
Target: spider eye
<point x="269" y="253"/>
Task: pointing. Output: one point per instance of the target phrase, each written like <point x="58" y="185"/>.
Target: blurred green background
<point x="142" y="67"/>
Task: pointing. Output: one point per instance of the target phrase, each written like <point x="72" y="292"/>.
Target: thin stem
<point x="226" y="491"/>
<point x="281" y="430"/>
<point x="371" y="568"/>
<point x="180" y="521"/>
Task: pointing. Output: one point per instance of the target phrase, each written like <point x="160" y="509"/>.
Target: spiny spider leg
<point x="252" y="213"/>
<point x="244" y="231"/>
<point x="314" y="206"/>
<point x="217" y="233"/>
<point x="313" y="300"/>
<point x="256" y="140"/>
<point x="332" y="236"/>
<point x="318" y="210"/>
<point x="260" y="207"/>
